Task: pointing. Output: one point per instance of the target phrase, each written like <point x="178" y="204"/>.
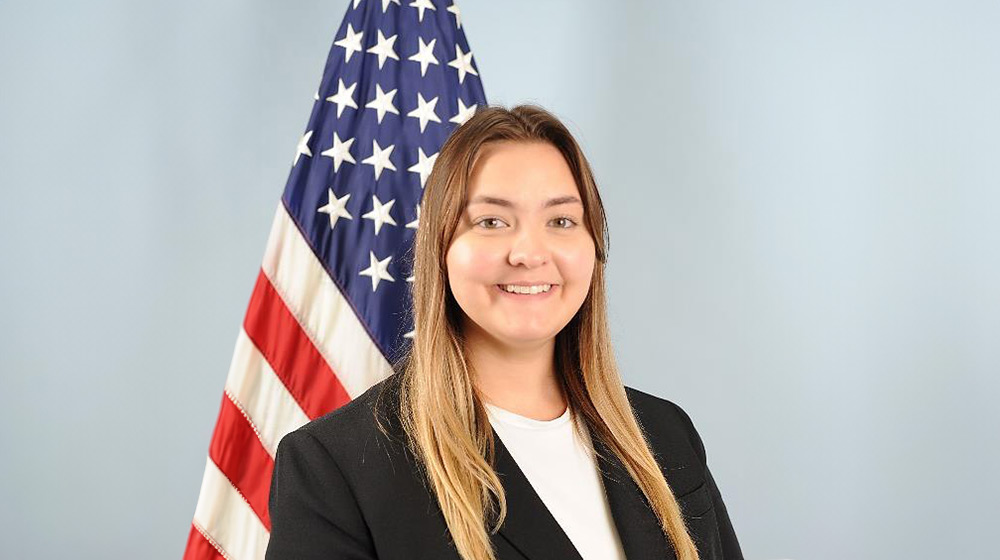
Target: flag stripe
<point x="198" y="547"/>
<point x="279" y="337"/>
<point x="227" y="519"/>
<point x="326" y="316"/>
<point x="261" y="395"/>
<point x="238" y="453"/>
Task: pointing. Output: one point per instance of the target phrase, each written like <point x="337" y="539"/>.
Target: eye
<point x="564" y="222"/>
<point x="490" y="222"/>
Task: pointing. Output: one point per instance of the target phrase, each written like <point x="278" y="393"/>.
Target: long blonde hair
<point x="440" y="407"/>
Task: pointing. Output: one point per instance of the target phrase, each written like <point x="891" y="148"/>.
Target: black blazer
<point x="342" y="490"/>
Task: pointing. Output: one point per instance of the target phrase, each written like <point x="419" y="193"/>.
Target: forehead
<point x="521" y="171"/>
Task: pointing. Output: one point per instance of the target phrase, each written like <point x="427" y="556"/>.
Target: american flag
<point x="329" y="311"/>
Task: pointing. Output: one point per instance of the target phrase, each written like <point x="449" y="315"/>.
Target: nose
<point x="529" y="248"/>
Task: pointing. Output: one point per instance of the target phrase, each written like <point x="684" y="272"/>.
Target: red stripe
<point x="198" y="548"/>
<point x="240" y="456"/>
<point x="235" y="447"/>
<point x="278" y="336"/>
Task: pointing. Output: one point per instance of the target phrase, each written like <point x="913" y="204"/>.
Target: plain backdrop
<point x="805" y="247"/>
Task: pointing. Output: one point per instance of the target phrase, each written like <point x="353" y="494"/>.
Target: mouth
<point x="533" y="292"/>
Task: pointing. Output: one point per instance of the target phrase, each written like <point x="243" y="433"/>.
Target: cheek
<point x="470" y="263"/>
<point x="576" y="263"/>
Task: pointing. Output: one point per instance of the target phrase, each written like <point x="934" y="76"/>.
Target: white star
<point x="356" y="2"/>
<point x="377" y="270"/>
<point x="458" y="14"/>
<point x="340" y="152"/>
<point x="423" y="166"/>
<point x="385" y="4"/>
<point x="316" y="95"/>
<point x="380" y="213"/>
<point x="422" y="5"/>
<point x="425" y="54"/>
<point x="464" y="113"/>
<point x="382" y="103"/>
<point x="351" y="42"/>
<point x="336" y="207"/>
<point x="463" y="62"/>
<point x="413" y="225"/>
<point x="384" y="48"/>
<point x="380" y="158"/>
<point x="344" y="97"/>
<point x="303" y="147"/>
<point x="424" y="111"/>
<point x="410" y="334"/>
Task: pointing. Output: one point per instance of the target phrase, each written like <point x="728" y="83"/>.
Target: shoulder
<point x="657" y="408"/>
<point x="666" y="424"/>
<point x="350" y="432"/>
<point x="331" y="481"/>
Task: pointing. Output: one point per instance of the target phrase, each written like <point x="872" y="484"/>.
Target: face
<point x="522" y="230"/>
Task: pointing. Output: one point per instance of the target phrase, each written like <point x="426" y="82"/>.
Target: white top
<point x="563" y="471"/>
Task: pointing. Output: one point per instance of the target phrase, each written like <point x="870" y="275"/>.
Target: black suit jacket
<point x="342" y="490"/>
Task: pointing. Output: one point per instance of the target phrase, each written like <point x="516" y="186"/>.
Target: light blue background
<point x="803" y="200"/>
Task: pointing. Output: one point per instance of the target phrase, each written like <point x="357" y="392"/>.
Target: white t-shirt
<point x="563" y="471"/>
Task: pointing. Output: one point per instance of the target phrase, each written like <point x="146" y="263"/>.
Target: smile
<point x="534" y="291"/>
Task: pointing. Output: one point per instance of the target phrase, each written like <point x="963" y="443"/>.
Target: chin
<point x="526" y="337"/>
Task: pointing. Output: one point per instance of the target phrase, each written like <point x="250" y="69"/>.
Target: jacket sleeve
<point x="730" y="544"/>
<point x="313" y="511"/>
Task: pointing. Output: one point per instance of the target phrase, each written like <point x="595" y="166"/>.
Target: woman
<point x="506" y="433"/>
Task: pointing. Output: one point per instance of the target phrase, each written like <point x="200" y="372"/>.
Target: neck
<point x="521" y="379"/>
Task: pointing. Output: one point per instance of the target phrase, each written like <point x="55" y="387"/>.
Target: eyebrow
<point x="484" y="199"/>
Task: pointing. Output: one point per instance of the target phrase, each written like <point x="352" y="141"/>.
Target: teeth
<point x="527" y="289"/>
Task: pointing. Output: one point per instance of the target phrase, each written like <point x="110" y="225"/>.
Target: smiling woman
<point x="506" y="432"/>
<point x="521" y="260"/>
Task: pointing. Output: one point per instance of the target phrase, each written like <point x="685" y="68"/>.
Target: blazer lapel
<point x="529" y="526"/>
<point x="638" y="527"/>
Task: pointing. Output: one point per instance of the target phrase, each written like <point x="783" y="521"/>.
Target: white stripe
<point x="324" y="314"/>
<point x="261" y="395"/>
<point x="226" y="519"/>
